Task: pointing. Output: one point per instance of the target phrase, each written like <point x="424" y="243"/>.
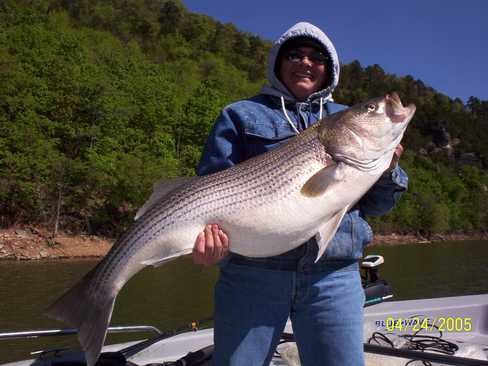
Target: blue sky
<point x="443" y="43"/>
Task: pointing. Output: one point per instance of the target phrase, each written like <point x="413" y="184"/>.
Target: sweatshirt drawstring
<point x="288" y="117"/>
<point x="321" y="113"/>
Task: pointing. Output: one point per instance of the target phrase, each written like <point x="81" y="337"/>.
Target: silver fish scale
<point x="256" y="182"/>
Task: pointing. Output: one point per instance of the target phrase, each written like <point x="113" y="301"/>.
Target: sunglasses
<point x="316" y="57"/>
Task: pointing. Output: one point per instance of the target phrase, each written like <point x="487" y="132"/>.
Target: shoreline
<point x="36" y="243"/>
<point x="402" y="239"/>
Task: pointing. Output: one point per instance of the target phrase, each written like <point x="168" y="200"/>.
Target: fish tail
<point x="88" y="311"/>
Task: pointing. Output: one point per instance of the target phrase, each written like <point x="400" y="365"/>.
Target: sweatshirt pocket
<point x="341" y="246"/>
<point x="362" y="235"/>
<point x="353" y="234"/>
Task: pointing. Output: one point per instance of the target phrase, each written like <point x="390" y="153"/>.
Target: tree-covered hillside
<point x="100" y="99"/>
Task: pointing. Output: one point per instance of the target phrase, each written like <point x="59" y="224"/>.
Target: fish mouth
<point x="395" y="109"/>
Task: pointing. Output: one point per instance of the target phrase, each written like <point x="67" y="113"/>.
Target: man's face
<point x="302" y="72"/>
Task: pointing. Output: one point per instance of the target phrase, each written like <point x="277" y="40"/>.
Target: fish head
<point x="366" y="135"/>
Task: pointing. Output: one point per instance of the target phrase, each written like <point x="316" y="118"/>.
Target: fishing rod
<point x="412" y="354"/>
<point x="423" y="356"/>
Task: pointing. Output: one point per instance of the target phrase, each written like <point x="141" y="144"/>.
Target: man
<point x="254" y="297"/>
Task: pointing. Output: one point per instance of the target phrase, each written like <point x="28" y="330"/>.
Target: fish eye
<point x="371" y="107"/>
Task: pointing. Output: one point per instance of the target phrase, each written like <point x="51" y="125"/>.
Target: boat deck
<point x="462" y="320"/>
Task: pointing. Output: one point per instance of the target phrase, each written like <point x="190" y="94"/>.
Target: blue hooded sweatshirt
<point x="253" y="126"/>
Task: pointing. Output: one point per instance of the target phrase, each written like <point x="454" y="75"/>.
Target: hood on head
<point x="302" y="29"/>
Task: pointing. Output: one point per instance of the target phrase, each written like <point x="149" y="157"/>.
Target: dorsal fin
<point x="161" y="189"/>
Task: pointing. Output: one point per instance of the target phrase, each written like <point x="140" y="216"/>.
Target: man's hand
<point x="211" y="246"/>
<point x="396" y="157"/>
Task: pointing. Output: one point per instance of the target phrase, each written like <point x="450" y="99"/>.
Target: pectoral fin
<point x="160" y="190"/>
<point x="323" y="180"/>
<point x="327" y="231"/>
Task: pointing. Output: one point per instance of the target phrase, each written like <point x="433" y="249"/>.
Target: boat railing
<point x="71" y="331"/>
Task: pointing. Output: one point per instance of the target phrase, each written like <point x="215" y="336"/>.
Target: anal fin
<point x="157" y="261"/>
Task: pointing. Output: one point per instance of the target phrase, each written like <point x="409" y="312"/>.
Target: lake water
<point x="179" y="292"/>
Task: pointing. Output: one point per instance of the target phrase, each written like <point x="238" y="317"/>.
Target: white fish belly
<point x="269" y="229"/>
<point x="281" y="226"/>
<point x="275" y="228"/>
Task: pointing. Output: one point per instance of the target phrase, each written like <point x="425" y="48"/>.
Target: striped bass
<point x="267" y="205"/>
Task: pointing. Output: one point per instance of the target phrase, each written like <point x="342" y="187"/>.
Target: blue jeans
<point x="325" y="305"/>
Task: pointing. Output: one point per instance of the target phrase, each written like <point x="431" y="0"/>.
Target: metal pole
<point x="70" y="331"/>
